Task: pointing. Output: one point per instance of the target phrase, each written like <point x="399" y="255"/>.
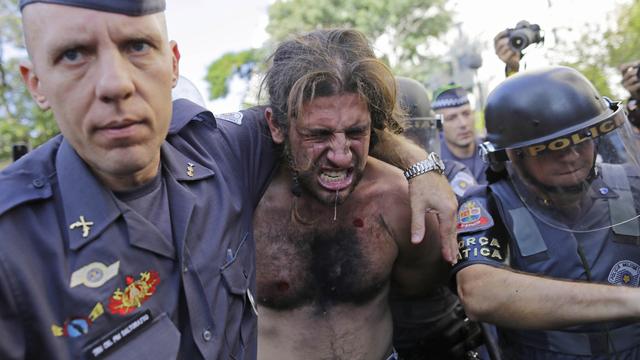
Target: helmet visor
<point x="425" y="132"/>
<point x="582" y="181"/>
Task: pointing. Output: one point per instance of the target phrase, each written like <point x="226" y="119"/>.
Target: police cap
<point x="125" y="7"/>
<point x="449" y="96"/>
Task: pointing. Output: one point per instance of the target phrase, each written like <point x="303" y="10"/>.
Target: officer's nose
<point x="569" y="154"/>
<point x="339" y="153"/>
<point x="115" y="78"/>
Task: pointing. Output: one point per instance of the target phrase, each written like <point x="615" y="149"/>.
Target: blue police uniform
<point x="81" y="278"/>
<point x="474" y="164"/>
<point x="423" y="326"/>
<point x="496" y="228"/>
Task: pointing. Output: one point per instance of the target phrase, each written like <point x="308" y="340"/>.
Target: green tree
<point x="600" y="50"/>
<point x="20" y="119"/>
<point x="622" y="40"/>
<point x="401" y="30"/>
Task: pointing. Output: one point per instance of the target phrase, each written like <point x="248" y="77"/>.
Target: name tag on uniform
<point x="119" y="336"/>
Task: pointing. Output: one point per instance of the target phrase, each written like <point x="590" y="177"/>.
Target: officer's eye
<point x="71" y="55"/>
<point x="138" y="46"/>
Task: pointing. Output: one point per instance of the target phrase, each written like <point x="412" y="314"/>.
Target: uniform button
<point x="185" y="269"/>
<point x="206" y="335"/>
<point x="37" y="183"/>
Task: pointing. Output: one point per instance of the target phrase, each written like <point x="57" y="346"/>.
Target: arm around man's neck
<point x="430" y="192"/>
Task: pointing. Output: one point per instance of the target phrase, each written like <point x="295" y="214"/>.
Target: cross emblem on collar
<point x="190" y="169"/>
<point x="82" y="223"/>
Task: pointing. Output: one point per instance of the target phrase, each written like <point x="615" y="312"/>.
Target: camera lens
<point x="519" y="42"/>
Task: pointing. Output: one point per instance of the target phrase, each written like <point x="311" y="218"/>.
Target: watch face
<point x="437" y="162"/>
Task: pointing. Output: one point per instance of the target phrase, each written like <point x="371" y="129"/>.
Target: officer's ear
<point x="32" y="81"/>
<point x="277" y="134"/>
<point x="175" y="60"/>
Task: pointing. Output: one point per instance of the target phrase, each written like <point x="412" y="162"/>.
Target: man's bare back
<point x="323" y="283"/>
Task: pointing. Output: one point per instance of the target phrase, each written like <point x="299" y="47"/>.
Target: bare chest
<point x="327" y="263"/>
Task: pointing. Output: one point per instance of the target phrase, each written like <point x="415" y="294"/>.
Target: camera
<point x="523" y="35"/>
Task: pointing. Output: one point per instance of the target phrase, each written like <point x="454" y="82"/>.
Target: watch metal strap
<point x="419" y="168"/>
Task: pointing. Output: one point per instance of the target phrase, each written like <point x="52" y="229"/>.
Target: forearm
<point x="519" y="300"/>
<point x="396" y="150"/>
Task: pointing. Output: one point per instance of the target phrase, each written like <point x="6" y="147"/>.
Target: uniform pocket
<point x="158" y="340"/>
<point x="237" y="273"/>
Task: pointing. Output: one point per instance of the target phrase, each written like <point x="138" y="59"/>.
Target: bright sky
<point x="206" y="29"/>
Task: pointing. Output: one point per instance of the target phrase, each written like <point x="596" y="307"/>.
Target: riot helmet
<point x="548" y="127"/>
<point x="421" y="126"/>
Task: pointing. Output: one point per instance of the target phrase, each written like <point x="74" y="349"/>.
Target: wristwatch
<point x="431" y="163"/>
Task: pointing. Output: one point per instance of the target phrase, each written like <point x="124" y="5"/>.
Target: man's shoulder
<point x="384" y="177"/>
<point x="30" y="178"/>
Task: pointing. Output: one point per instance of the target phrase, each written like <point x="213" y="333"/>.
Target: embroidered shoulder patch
<point x="472" y="216"/>
<point x="461" y="182"/>
<point x="234" y="117"/>
<point x="625" y="272"/>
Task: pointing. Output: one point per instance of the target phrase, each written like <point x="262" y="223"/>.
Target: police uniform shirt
<point x="474" y="163"/>
<point x="459" y="176"/>
<point x="81" y="278"/>
<point x="495" y="228"/>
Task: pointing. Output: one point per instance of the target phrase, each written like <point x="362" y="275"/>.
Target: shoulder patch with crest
<point x="472" y="216"/>
<point x="234" y="117"/>
<point x="461" y="182"/>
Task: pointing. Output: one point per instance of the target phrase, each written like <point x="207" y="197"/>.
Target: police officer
<point x="115" y="242"/>
<point x="129" y="235"/>
<point x="432" y="326"/>
<point x="424" y="128"/>
<point x="458" y="129"/>
<point x="551" y="254"/>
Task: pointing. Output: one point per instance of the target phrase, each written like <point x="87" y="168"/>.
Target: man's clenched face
<point x="329" y="145"/>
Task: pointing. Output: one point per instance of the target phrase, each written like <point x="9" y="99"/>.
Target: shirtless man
<point x="333" y="228"/>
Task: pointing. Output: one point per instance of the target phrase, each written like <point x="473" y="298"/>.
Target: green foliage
<point x="401" y="28"/>
<point x="20" y="118"/>
<point x="622" y="42"/>
<point x="599" y="51"/>
<point x="222" y="70"/>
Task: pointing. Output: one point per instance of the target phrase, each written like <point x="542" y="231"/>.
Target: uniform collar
<point x="185" y="111"/>
<point x="182" y="167"/>
<point x="84" y="198"/>
<point x="87" y="201"/>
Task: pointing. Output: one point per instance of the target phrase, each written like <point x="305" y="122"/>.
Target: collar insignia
<point x="82" y="223"/>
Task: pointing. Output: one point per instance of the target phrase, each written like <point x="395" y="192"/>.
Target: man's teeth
<point x="333" y="175"/>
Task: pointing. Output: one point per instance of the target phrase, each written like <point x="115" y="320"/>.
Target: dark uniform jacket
<point x="81" y="277"/>
<point x="496" y="228"/>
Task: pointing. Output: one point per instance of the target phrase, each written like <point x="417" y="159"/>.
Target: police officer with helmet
<point x="432" y="326"/>
<point x="550" y="250"/>
<point x="424" y="127"/>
